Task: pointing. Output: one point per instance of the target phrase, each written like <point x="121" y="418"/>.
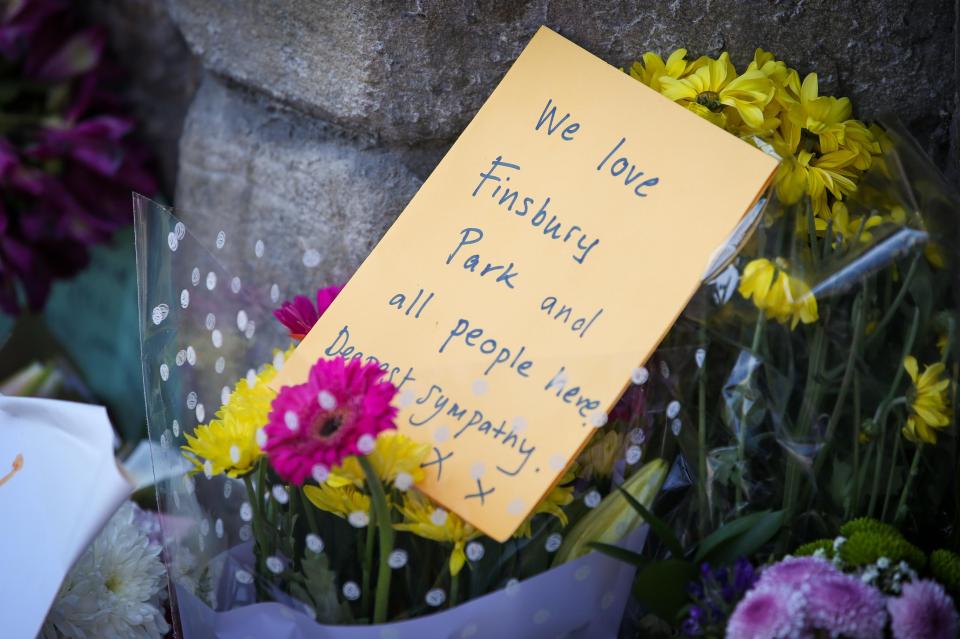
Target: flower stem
<point x="385" y="528"/>
<point x="890" y="475"/>
<point x="367" y="563"/>
<point x="857" y="316"/>
<point x="308" y="509"/>
<point x="454" y="589"/>
<point x="853" y="498"/>
<point x="895" y="304"/>
<point x="880" y="422"/>
<point x="901" y="511"/>
<point x="880" y="418"/>
<point x="808" y="406"/>
<point x="741" y="429"/>
<point x="702" y="441"/>
<point x="259" y="545"/>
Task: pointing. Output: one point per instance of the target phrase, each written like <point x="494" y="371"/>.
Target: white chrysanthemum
<point x="114" y="590"/>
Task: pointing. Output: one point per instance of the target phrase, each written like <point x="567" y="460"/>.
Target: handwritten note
<point x="542" y="262"/>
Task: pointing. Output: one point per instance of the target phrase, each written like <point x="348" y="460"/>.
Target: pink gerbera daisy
<point x="299" y="314"/>
<point x="337" y="412"/>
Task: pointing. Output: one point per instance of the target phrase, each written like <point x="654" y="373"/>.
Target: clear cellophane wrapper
<point x="751" y="413"/>
<point x="207" y="297"/>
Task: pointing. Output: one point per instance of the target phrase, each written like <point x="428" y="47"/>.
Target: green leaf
<point x="725" y="532"/>
<point x="661" y="587"/>
<point x="103" y="341"/>
<point x="320" y="589"/>
<point x="617" y="552"/>
<point x="657" y="525"/>
<point x="748" y="535"/>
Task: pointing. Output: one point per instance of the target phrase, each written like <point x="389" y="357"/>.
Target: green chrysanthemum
<point x="810" y="549"/>
<point x="868" y="525"/>
<point x="864" y="548"/>
<point x="945" y="567"/>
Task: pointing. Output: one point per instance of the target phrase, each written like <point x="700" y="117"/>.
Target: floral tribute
<point x="328" y="460"/>
<point x="822" y="391"/>
<point x="790" y="447"/>
<point x="68" y="161"/>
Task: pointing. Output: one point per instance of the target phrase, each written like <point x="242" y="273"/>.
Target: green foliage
<point x="657" y="525"/>
<point x="867" y="525"/>
<point x="866" y="547"/>
<point x="809" y="549"/>
<point x="945" y="568"/>
<point x="319" y="588"/>
<point x="661" y="586"/>
<point x="742" y="537"/>
<point x="205" y="587"/>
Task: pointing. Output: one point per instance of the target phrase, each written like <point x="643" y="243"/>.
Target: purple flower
<point x="80" y="53"/>
<point x="691" y="625"/>
<point x="95" y="143"/>
<point x="844" y="606"/>
<point x="714" y="594"/>
<point x="695" y="590"/>
<point x="728" y="592"/>
<point x="21" y="19"/>
<point x="768" y="612"/>
<point x="744" y="575"/>
<point x="923" y="611"/>
<point x="796" y="571"/>
<point x="67" y="173"/>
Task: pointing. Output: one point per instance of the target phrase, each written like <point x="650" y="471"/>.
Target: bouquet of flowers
<point x="809" y="383"/>
<point x="303" y="504"/>
<point x="812" y="380"/>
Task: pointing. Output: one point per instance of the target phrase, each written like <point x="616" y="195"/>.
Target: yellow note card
<point x="538" y="266"/>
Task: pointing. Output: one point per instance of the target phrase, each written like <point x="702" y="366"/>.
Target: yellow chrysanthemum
<point x="847" y="227"/>
<point x="716" y="84"/>
<point x="943" y="344"/>
<point x="653" y="68"/>
<point x="786" y="81"/>
<point x="561" y="495"/>
<point x="228" y="444"/>
<point x="821" y="115"/>
<point x="342" y="501"/>
<point x="599" y="456"/>
<point x="804" y="172"/>
<point x="898" y="214"/>
<point x="929" y="401"/>
<point x="396" y="459"/>
<point x="779" y="295"/>
<point x="859" y="140"/>
<point x="423" y="519"/>
<point x="935" y="255"/>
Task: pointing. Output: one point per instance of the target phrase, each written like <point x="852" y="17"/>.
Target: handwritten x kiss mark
<point x="17" y="465"/>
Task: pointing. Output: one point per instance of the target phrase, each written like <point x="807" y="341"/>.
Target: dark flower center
<point x="711" y="100"/>
<point x="330" y="425"/>
<point x="326" y="425"/>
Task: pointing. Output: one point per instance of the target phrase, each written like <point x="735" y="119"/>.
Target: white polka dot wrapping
<point x="208" y="325"/>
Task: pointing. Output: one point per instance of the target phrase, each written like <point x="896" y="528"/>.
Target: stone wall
<point x="322" y="118"/>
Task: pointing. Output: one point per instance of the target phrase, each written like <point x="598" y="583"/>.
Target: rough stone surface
<point x="261" y="170"/>
<point x="162" y="74"/>
<point x="416" y="70"/>
<point x="318" y="120"/>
